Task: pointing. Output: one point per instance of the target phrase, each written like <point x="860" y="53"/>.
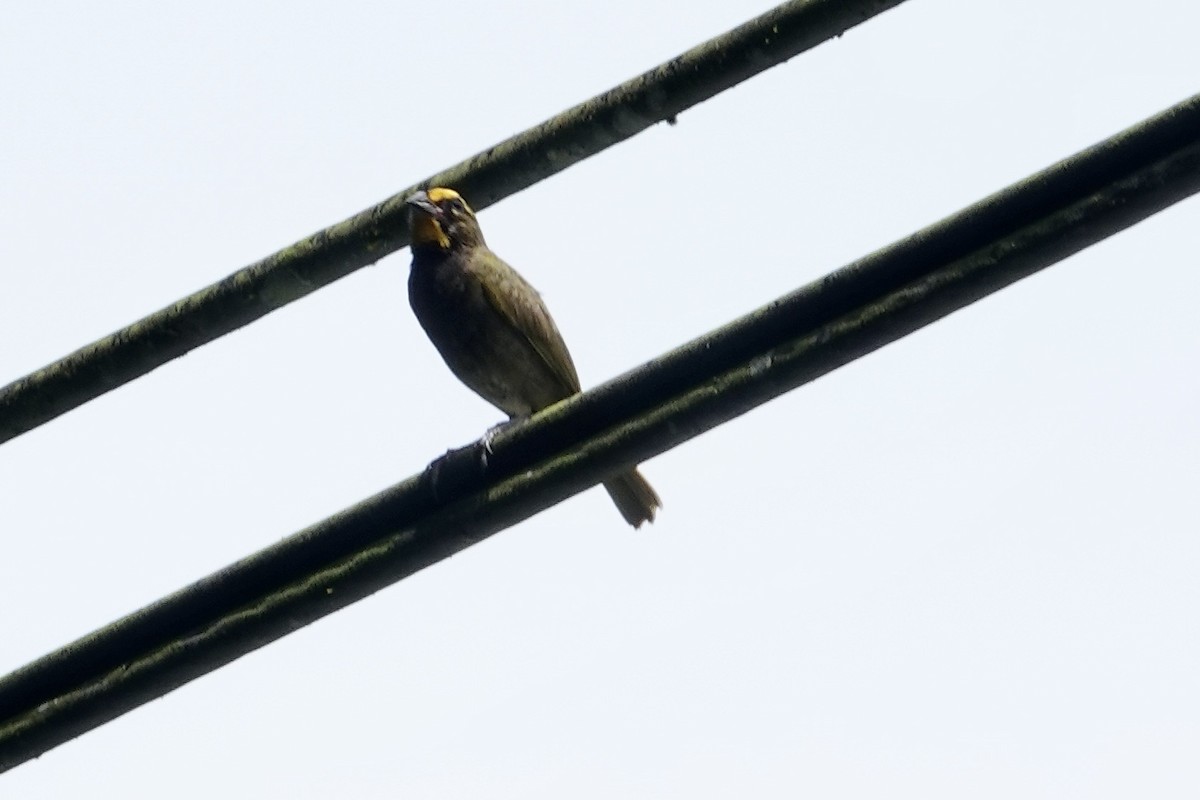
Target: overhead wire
<point x="464" y="498"/>
<point x="487" y="177"/>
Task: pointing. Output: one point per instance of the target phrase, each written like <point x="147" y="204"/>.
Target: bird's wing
<point x="519" y="304"/>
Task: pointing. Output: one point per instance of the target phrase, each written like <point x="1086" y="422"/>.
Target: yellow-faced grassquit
<point x="492" y="328"/>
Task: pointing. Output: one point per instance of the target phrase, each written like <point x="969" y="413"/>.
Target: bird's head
<point x="441" y="220"/>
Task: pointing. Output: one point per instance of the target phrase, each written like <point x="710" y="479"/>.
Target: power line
<point x="574" y="445"/>
<point x="487" y="177"/>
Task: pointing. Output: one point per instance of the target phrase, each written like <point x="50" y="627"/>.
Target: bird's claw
<point x="488" y="437"/>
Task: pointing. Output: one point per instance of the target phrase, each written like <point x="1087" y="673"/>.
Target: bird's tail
<point x="635" y="498"/>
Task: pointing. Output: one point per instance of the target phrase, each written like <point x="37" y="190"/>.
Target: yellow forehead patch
<point x="439" y="194"/>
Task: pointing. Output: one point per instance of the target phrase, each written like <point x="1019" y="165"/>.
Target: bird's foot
<point x="489" y="436"/>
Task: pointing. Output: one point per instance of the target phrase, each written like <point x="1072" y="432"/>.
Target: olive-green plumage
<point x="492" y="328"/>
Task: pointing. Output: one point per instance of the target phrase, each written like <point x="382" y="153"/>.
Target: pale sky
<point x="964" y="566"/>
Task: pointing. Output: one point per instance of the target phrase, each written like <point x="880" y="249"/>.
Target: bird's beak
<point x="420" y="200"/>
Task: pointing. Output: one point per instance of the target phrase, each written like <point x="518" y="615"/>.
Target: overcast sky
<point x="964" y="566"/>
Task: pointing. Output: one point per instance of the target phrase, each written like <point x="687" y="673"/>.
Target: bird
<point x="492" y="328"/>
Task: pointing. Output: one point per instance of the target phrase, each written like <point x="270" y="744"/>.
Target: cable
<point x="461" y="500"/>
<point x="368" y="236"/>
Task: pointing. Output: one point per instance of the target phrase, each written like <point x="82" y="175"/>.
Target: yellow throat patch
<point x="427" y="230"/>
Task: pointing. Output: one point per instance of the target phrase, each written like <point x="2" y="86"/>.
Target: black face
<point x="448" y="221"/>
<point x="454" y="206"/>
<point x="454" y="214"/>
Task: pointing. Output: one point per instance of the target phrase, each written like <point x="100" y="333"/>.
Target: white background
<point x="964" y="566"/>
